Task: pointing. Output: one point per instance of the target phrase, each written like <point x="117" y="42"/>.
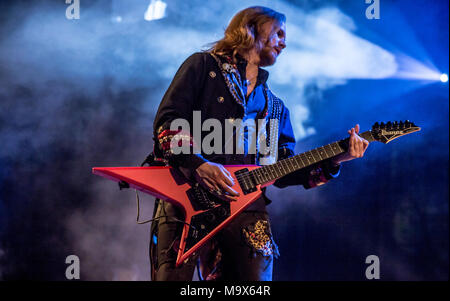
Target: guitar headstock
<point x="386" y="132"/>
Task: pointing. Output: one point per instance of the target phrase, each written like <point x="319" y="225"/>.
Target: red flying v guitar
<point x="206" y="214"/>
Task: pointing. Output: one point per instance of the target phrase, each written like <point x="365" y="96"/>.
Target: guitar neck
<point x="284" y="167"/>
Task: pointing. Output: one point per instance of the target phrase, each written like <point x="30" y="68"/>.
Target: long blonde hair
<point x="242" y="34"/>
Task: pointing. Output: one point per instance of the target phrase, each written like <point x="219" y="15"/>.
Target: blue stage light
<point x="156" y="10"/>
<point x="444" y="78"/>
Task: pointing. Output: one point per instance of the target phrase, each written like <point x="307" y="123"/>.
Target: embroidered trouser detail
<point x="259" y="237"/>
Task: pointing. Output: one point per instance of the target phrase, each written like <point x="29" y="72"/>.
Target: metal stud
<point x="220" y="99"/>
<point x="212" y="74"/>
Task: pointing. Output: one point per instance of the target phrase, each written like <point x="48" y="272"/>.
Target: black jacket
<point x="203" y="83"/>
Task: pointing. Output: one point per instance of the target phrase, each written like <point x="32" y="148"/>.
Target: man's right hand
<point x="217" y="180"/>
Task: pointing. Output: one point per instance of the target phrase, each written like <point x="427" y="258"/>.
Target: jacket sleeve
<point x="178" y="103"/>
<point x="309" y="177"/>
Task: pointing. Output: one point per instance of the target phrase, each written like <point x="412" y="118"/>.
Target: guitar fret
<point x="316" y="155"/>
<point x="270" y="171"/>
<point x="274" y="172"/>
<point x="317" y="151"/>
<point x="289" y="167"/>
<point x="261" y="174"/>
<point x="279" y="168"/>
<point x="295" y="162"/>
<point x="289" y="160"/>
<point x="330" y="151"/>
<point x="304" y="159"/>
<point x="292" y="164"/>
<point x="309" y="157"/>
<point x="312" y="158"/>
<point x="322" y="153"/>
<point x="340" y="148"/>
<point x="255" y="176"/>
<point x="336" y="148"/>
<point x="265" y="174"/>
<point x="301" y="160"/>
<point x="282" y="167"/>
<point x="258" y="173"/>
<point x="286" y="166"/>
<point x="278" y="171"/>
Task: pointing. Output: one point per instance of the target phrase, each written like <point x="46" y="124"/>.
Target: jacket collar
<point x="241" y="65"/>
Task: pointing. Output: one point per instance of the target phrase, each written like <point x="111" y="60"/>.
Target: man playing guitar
<point x="226" y="83"/>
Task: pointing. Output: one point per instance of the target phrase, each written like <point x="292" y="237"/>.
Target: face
<point x="273" y="38"/>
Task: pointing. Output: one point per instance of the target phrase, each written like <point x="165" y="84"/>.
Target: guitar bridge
<point x="201" y="199"/>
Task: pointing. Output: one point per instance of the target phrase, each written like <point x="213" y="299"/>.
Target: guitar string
<point x="266" y="172"/>
<point x="246" y="177"/>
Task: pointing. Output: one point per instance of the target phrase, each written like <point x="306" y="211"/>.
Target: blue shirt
<point x="255" y="104"/>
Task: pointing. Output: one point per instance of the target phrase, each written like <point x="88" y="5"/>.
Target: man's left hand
<point x="356" y="147"/>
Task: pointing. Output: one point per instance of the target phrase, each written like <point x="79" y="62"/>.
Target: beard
<point x="267" y="56"/>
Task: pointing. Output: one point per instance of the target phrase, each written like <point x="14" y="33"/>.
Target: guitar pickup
<point x="245" y="181"/>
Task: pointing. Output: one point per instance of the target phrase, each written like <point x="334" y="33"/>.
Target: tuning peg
<point x="382" y="125"/>
<point x="388" y="125"/>
<point x="401" y="125"/>
<point x="395" y="125"/>
<point x="376" y="125"/>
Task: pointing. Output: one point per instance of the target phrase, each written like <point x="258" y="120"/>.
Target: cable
<point x="199" y="273"/>
<point x="153" y="219"/>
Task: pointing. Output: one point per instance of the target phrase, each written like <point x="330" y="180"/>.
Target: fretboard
<point x="284" y="167"/>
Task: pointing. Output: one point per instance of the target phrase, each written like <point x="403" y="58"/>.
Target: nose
<point x="282" y="43"/>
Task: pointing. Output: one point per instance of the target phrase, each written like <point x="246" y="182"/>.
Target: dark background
<point x="75" y="94"/>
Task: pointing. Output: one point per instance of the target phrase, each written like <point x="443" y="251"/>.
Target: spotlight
<point x="117" y="19"/>
<point x="444" y="78"/>
<point x="156" y="10"/>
